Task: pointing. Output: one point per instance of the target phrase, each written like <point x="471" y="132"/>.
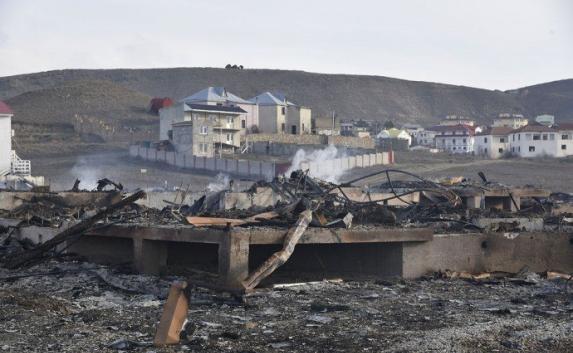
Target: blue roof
<point x="216" y="95"/>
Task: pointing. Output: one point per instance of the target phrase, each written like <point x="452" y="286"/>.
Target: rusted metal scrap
<point x="70" y="234"/>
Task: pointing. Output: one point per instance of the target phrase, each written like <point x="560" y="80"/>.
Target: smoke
<point x="86" y="173"/>
<point x="221" y="183"/>
<point x="317" y="163"/>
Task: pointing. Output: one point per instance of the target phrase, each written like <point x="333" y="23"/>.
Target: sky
<point x="483" y="43"/>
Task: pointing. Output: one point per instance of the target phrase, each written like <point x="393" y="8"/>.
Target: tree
<point x="228" y="66"/>
<point x="241" y="67"/>
<point x="388" y="125"/>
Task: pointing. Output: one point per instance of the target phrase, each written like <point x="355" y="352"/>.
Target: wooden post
<point x="233" y="259"/>
<point x="173" y="316"/>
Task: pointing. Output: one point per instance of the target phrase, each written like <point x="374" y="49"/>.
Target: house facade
<point x="454" y="120"/>
<point x="5" y="138"/>
<point x="514" y="121"/>
<point x="208" y="130"/>
<point x="455" y="138"/>
<point x="277" y="115"/>
<point x="216" y="96"/>
<point x="10" y="163"/>
<point x="493" y="142"/>
<point x="537" y="140"/>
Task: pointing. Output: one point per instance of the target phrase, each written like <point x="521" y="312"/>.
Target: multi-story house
<point x="514" y="121"/>
<point x="453" y="120"/>
<point x="216" y="96"/>
<point x="537" y="140"/>
<point x="493" y="142"/>
<point x="208" y="130"/>
<point x="277" y="115"/>
<point x="455" y="138"/>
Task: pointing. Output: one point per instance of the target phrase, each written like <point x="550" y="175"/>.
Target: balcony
<point x="19" y="166"/>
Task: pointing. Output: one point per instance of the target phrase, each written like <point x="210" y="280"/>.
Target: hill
<point x="351" y="96"/>
<point x="77" y="114"/>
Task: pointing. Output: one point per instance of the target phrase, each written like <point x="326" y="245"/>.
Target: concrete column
<point x="233" y="259"/>
<point x="149" y="257"/>
<point x="473" y="202"/>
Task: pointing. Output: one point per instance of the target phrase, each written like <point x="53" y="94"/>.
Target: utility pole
<point x="333" y="123"/>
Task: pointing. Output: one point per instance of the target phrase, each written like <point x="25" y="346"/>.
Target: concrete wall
<point x="539" y="251"/>
<point x="256" y="169"/>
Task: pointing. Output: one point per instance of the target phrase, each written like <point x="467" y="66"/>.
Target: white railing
<point x="20" y="166"/>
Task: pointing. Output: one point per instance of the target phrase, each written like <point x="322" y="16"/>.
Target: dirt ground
<point x="61" y="170"/>
<point x="79" y="308"/>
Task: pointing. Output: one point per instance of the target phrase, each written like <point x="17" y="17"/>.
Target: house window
<point x="229" y="120"/>
<point x="454" y="141"/>
<point x="502" y="140"/>
<point x="536" y="137"/>
<point x="513" y="149"/>
<point x="565" y="137"/>
<point x="518" y="148"/>
<point x="500" y="150"/>
<point x="485" y="139"/>
<point x="454" y="148"/>
<point x="512" y="137"/>
<point x="243" y="124"/>
<point x="485" y="150"/>
<point x="283" y="110"/>
<point x="551" y="137"/>
<point x="464" y="140"/>
<point x="518" y="137"/>
<point x="544" y="137"/>
<point x="444" y="142"/>
<point x="230" y="138"/>
<point x="170" y="134"/>
<point x="195" y="116"/>
<point x="563" y="147"/>
<point x="204" y="130"/>
<point x="528" y="136"/>
<point x="203" y="147"/>
<point x="531" y="148"/>
<point x="302" y="127"/>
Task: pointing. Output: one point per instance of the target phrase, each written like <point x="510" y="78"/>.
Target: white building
<point x="514" y="121"/>
<point x="10" y="163"/>
<point x="219" y="96"/>
<point x="545" y="119"/>
<point x="455" y="138"/>
<point x="394" y="133"/>
<point x="454" y="120"/>
<point x="5" y="138"/>
<point x="493" y="142"/>
<point x="277" y="115"/>
<point x="536" y="140"/>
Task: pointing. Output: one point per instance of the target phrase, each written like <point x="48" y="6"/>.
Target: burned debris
<point x="397" y="214"/>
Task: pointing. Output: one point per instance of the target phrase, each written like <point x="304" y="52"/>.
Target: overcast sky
<point x="487" y="43"/>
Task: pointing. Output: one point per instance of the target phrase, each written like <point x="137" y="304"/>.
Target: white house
<point x="5" y="138"/>
<point x="537" y="140"/>
<point x="394" y="133"/>
<point x="218" y="96"/>
<point x="10" y="163"/>
<point x="453" y="120"/>
<point x="493" y="142"/>
<point x="276" y="114"/>
<point x="514" y="121"/>
<point x="455" y="138"/>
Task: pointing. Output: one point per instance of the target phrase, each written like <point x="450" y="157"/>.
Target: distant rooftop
<point x="216" y="95"/>
<point x="214" y="108"/>
<point x="271" y="98"/>
<point x="5" y="108"/>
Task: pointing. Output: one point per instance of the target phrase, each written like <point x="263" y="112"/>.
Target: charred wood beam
<point x="22" y="258"/>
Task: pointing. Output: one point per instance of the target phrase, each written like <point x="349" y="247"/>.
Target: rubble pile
<point x="67" y="307"/>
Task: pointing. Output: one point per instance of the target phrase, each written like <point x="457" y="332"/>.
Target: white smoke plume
<point x="318" y="164"/>
<point x="86" y="173"/>
<point x="220" y="183"/>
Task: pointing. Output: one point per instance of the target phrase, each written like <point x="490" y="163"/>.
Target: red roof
<point x="5" y="109"/>
<point x="535" y="127"/>
<point x="496" y="131"/>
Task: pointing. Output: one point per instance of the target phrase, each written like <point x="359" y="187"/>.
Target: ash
<point x="73" y="306"/>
